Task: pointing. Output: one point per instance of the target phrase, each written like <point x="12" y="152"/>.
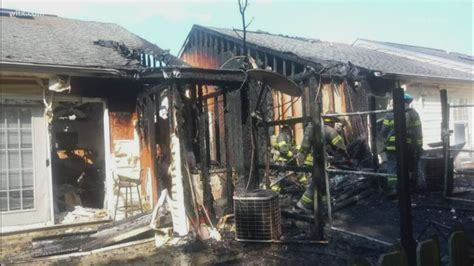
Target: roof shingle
<point x="61" y="41"/>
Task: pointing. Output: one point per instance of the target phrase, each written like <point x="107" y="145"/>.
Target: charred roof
<point x="323" y="52"/>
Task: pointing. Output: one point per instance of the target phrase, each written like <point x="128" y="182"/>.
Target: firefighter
<point x="335" y="146"/>
<point x="283" y="152"/>
<point x="284" y="145"/>
<point x="414" y="143"/>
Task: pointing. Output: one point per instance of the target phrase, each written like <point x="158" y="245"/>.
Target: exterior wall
<point x="427" y="103"/>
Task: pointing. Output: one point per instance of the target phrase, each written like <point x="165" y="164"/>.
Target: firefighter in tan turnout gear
<point x="335" y="147"/>
<point x="285" y="154"/>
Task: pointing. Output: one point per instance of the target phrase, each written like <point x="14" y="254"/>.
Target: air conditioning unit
<point x="257" y="216"/>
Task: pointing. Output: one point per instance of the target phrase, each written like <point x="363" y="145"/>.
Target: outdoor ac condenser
<point x="257" y="216"/>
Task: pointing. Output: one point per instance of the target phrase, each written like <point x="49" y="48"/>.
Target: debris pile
<point x="349" y="189"/>
<point x="82" y="215"/>
<point x="107" y="235"/>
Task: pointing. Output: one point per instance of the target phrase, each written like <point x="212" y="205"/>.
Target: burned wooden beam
<point x="318" y="178"/>
<point x="217" y="128"/>
<point x="291" y="121"/>
<point x="205" y="155"/>
<point x="228" y="163"/>
<point x="352" y="200"/>
<point x="85" y="241"/>
<point x="212" y="95"/>
<point x="197" y="75"/>
<point x="406" y="227"/>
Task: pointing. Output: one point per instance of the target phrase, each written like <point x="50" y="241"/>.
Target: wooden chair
<point x="128" y="184"/>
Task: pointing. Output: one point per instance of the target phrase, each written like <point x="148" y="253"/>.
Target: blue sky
<point x="446" y="25"/>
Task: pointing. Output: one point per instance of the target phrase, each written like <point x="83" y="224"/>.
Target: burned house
<point x="97" y="121"/>
<point x="106" y="121"/>
<point x="68" y="117"/>
<point x="357" y="76"/>
<point x="352" y="79"/>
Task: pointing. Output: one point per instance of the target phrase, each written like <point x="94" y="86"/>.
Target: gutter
<point x="63" y="69"/>
<point x="423" y="78"/>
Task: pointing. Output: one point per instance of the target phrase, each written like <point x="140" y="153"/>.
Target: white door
<point x="25" y="183"/>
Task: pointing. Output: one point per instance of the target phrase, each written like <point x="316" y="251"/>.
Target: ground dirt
<point x="375" y="217"/>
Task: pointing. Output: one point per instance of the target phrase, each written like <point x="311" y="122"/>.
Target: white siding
<point x="427" y="103"/>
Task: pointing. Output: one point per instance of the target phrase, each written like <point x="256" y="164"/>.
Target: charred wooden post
<point x="445" y="134"/>
<point x="217" y="129"/>
<point x="152" y="105"/>
<point x="252" y="99"/>
<point x="228" y="162"/>
<point x="318" y="173"/>
<point x="261" y="137"/>
<point x="233" y="123"/>
<point x="406" y="228"/>
<point x="205" y="155"/>
<point x="194" y="117"/>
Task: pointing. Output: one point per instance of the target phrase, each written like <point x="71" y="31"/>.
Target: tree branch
<point x="242" y="7"/>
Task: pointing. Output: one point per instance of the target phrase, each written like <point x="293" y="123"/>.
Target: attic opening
<point x="78" y="160"/>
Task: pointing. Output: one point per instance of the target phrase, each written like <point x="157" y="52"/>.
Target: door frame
<point x="12" y="99"/>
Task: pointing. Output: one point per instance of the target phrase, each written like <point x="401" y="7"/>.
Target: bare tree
<point x="243" y="4"/>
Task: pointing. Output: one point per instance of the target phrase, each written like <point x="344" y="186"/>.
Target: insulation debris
<point x="82" y="215"/>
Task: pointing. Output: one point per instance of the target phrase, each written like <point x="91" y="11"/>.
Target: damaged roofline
<point x="321" y="63"/>
<point x="64" y="69"/>
<point x="287" y="56"/>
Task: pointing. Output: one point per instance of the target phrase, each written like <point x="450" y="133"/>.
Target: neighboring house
<point x="426" y="93"/>
<point x="377" y="69"/>
<point x="67" y="119"/>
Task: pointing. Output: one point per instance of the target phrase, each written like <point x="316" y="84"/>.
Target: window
<point x="16" y="159"/>
<point x="461" y="114"/>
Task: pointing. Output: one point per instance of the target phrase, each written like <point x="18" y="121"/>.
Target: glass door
<point x="25" y="183"/>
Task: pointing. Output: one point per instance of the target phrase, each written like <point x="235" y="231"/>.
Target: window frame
<point x="19" y="149"/>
